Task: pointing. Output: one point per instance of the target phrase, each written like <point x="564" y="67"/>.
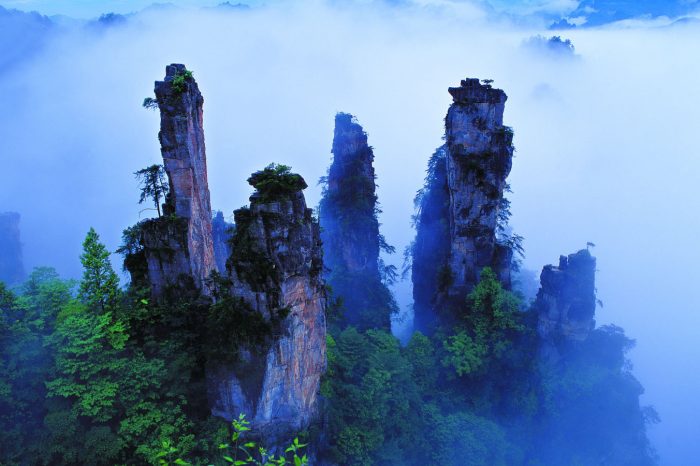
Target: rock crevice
<point x="178" y="247"/>
<point x="275" y="268"/>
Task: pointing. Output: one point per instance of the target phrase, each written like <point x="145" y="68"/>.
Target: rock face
<point x="275" y="268"/>
<point x="350" y="229"/>
<point x="221" y="234"/>
<point x="479" y="158"/>
<point x="431" y="248"/>
<point x="566" y="300"/>
<point x="179" y="246"/>
<point x="11" y="264"/>
<point x="462" y="207"/>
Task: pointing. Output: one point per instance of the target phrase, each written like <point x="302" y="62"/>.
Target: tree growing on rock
<point x="153" y="184"/>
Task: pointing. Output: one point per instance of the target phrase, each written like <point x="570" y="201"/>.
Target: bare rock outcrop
<point x="275" y="270"/>
<point x="479" y="158"/>
<point x="178" y="247"/>
<point x="462" y="209"/>
<point x="566" y="300"/>
<point x="350" y="229"/>
<point x="221" y="235"/>
<point x="11" y="262"/>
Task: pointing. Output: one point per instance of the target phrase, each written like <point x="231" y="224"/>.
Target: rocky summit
<point x="178" y="247"/>
<point x="462" y="204"/>
<point x="479" y="158"/>
<point x="275" y="273"/>
<point x="350" y="229"/>
<point x="566" y="300"/>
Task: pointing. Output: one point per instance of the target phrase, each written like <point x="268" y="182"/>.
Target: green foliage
<point x="179" y="82"/>
<point x="26" y="363"/>
<point x="150" y="103"/>
<point x="592" y="405"/>
<point x="360" y="300"/>
<point x="88" y="366"/>
<point x="276" y="182"/>
<point x="99" y="288"/>
<point x="153" y="184"/>
<point x="489" y="324"/>
<point x="232" y="324"/>
<point x="248" y="256"/>
<point x="240" y="451"/>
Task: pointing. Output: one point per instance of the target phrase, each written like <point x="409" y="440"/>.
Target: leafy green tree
<point x="99" y="288"/>
<point x="489" y="327"/>
<point x="154" y="185"/>
<point x="26" y="321"/>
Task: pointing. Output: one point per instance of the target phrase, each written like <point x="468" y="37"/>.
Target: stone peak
<point x="174" y="69"/>
<point x="472" y="91"/>
<point x="346" y="119"/>
<point x="578" y="259"/>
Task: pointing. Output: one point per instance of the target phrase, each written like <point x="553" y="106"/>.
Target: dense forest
<point x="268" y="341"/>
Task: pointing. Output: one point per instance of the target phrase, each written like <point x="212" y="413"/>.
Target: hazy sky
<point x="606" y="140"/>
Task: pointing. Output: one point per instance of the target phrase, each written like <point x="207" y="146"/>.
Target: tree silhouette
<point x="99" y="288"/>
<point x="153" y="184"/>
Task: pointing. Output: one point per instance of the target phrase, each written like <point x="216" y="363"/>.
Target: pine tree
<point x="154" y="186"/>
<point x="99" y="288"/>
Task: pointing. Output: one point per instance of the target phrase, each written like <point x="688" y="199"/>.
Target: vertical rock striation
<point x="221" y="235"/>
<point x="11" y="264"/>
<point x="461" y="207"/>
<point x="431" y="248"/>
<point x="479" y="158"/>
<point x="178" y="248"/>
<point x="275" y="270"/>
<point x="566" y="300"/>
<point x="350" y="229"/>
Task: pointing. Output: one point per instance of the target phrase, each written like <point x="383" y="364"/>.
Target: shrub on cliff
<point x="275" y="182"/>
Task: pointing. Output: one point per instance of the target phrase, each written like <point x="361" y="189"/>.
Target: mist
<point x="605" y="140"/>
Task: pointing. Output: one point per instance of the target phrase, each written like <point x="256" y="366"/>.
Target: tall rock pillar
<point x="460" y="210"/>
<point x="479" y="158"/>
<point x="350" y="229"/>
<point x="185" y="160"/>
<point x="275" y="274"/>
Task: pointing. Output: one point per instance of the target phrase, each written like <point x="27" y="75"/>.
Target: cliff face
<point x="179" y="247"/>
<point x="350" y="229"/>
<point x="431" y="249"/>
<point x="566" y="300"/>
<point x="479" y="158"/>
<point x="221" y="235"/>
<point x="11" y="264"/>
<point x="462" y="206"/>
<point x="275" y="269"/>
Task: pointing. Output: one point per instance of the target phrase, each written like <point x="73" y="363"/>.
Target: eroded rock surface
<point x="566" y="300"/>
<point x="221" y="235"/>
<point x="461" y="207"/>
<point x="178" y="247"/>
<point x="350" y="229"/>
<point x="479" y="158"/>
<point x="275" y="268"/>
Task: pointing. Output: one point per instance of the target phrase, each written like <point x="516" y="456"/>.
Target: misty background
<point x="605" y="135"/>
